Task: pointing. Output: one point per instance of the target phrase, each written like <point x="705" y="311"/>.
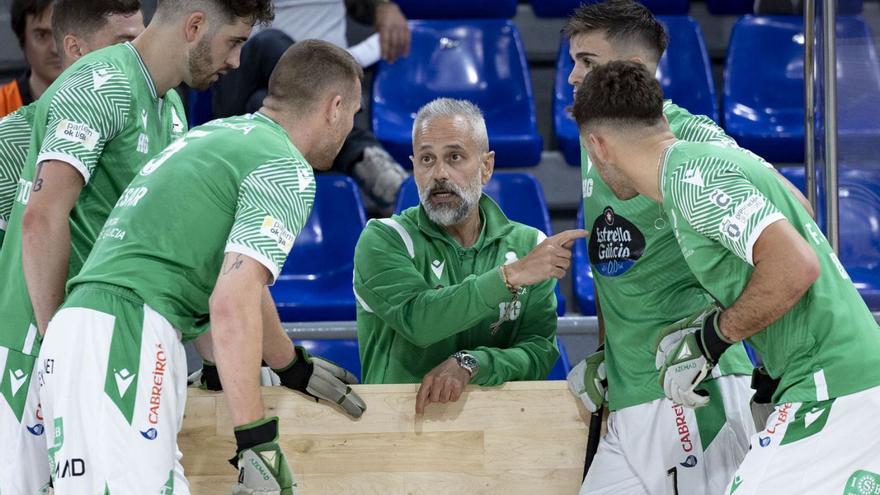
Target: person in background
<point x="32" y="24"/>
<point x="362" y="156"/>
<point x="451" y="292"/>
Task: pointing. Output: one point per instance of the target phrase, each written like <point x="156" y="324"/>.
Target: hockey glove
<point x="262" y="466"/>
<point x="322" y="379"/>
<point x="588" y="382"/>
<point x="686" y="352"/>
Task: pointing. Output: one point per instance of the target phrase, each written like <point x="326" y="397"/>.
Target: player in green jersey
<point x="79" y="27"/>
<point x="775" y="280"/>
<point x="634" y="256"/>
<point x="433" y="303"/>
<point x="198" y="235"/>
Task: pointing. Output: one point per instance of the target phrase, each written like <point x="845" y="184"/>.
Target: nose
<point x="574" y="77"/>
<point x="234" y="59"/>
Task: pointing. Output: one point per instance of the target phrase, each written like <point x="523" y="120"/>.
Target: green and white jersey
<point x="720" y="200"/>
<point x="15" y="136"/>
<point x="103" y="117"/>
<point x="634" y="257"/>
<point x="235" y="185"/>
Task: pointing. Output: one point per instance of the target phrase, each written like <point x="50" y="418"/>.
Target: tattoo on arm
<point x="38" y="180"/>
<point x="233" y="265"/>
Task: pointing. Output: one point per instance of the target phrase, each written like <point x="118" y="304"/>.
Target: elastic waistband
<point x="116" y="290"/>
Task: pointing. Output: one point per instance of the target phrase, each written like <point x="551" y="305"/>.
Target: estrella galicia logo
<point x="764" y="441"/>
<point x="690" y="461"/>
<point x="615" y="244"/>
<point x="36" y="430"/>
<point x="150" y="434"/>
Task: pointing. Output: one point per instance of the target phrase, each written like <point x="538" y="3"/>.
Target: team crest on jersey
<point x="78" y="133"/>
<point x="274" y="229"/>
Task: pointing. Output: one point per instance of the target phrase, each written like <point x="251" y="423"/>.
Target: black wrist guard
<point x="297" y="374"/>
<point x="247" y="437"/>
<point x="712" y="342"/>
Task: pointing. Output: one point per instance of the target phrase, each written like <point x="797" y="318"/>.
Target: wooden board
<point x="520" y="438"/>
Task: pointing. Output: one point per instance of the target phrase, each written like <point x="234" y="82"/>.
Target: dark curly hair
<point x="85" y="17"/>
<point x="624" y="21"/>
<point x="20" y="9"/>
<point x="621" y="93"/>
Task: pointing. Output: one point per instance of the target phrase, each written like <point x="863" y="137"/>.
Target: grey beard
<point x="447" y="216"/>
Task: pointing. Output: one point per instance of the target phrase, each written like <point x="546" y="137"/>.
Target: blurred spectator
<point x="32" y="24"/>
<point x="242" y="91"/>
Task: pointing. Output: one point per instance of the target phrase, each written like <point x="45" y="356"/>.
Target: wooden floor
<point x="521" y="438"/>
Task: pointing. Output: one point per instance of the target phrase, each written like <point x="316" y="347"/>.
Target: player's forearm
<point x="236" y="325"/>
<point x="779" y="280"/>
<point x="45" y="256"/>
<point x="278" y="351"/>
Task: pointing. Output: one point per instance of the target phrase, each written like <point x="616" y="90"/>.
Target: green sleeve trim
<point x="491" y="288"/>
<point x="254" y="424"/>
<point x="485" y="371"/>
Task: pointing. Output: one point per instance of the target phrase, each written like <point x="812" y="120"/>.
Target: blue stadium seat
<point x="582" y="276"/>
<point x="343" y="352"/>
<point x="519" y="195"/>
<point x="764" y="89"/>
<point x="563" y="8"/>
<point x="859" y="221"/>
<point x="563" y="366"/>
<point x="315" y="283"/>
<point x="482" y="61"/>
<point x="457" y="9"/>
<point x="684" y="73"/>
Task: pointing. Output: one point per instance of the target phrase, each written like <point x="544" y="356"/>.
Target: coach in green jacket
<point x="452" y="292"/>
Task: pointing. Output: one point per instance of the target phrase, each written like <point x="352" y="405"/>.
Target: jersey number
<point x="157" y="162"/>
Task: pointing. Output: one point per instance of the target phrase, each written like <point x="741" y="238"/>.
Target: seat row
<point x="419" y="9"/>
<point x="315" y="283"/>
<point x="762" y="104"/>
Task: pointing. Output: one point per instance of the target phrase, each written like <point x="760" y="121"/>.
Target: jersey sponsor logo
<point x="731" y="228"/>
<point x="38" y="427"/>
<point x="615" y="244"/>
<point x="70" y="468"/>
<point x="837" y="264"/>
<point x="156" y="390"/>
<point x="744" y="212"/>
<point x="764" y="441"/>
<point x="437" y="267"/>
<point x="123" y="380"/>
<point x="150" y="433"/>
<point x="720" y="198"/>
<point x="814" y="234"/>
<point x="274" y="229"/>
<point x="76" y="132"/>
<point x="100" y="78"/>
<point x="694" y="177"/>
<point x="689" y="462"/>
<point x="684" y="433"/>
<point x="782" y="414"/>
<point x="17" y="379"/>
<point x="863" y="483"/>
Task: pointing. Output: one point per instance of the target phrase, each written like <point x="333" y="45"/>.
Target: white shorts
<point x="831" y="446"/>
<point x="24" y="465"/>
<point x="662" y="448"/>
<point x="114" y="391"/>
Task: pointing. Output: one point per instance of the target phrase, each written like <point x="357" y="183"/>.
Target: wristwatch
<point x="468" y="362"/>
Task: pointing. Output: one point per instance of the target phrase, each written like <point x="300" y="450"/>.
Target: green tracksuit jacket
<point x="422" y="297"/>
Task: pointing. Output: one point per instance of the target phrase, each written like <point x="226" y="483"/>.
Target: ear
<point x="195" y="27"/>
<point x="599" y="146"/>
<point x="73" y="47"/>
<point x="487" y="167"/>
<point x="333" y="111"/>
